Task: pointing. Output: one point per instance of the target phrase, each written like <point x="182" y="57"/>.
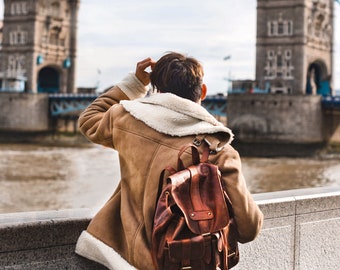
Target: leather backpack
<point x="193" y="226"/>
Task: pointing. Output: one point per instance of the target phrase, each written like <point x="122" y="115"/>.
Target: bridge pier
<point x="27" y="118"/>
<point x="27" y="112"/>
<point x="275" y="124"/>
<point x="331" y="119"/>
<point x="276" y="118"/>
<point x="23" y="112"/>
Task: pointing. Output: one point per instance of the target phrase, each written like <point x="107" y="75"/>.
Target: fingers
<point x="141" y="72"/>
<point x="153" y="63"/>
<point x="142" y="65"/>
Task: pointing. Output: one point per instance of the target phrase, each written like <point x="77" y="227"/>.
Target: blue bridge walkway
<point x="69" y="104"/>
<point x="72" y="104"/>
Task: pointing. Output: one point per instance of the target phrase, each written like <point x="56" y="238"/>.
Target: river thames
<point x="36" y="178"/>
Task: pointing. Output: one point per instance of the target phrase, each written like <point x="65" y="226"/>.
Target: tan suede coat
<point x="125" y="222"/>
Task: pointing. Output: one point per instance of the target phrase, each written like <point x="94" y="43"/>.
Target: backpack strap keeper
<point x="215" y="145"/>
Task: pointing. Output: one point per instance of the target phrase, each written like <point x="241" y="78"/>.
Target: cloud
<point x="114" y="35"/>
<point x="127" y="32"/>
<point x="208" y="30"/>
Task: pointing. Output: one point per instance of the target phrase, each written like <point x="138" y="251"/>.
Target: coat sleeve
<point x="96" y="121"/>
<point x="248" y="216"/>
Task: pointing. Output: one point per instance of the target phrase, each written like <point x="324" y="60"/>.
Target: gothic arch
<point x="49" y="80"/>
<point x="318" y="80"/>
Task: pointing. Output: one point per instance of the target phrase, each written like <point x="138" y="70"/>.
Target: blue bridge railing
<point x="331" y="102"/>
<point x="69" y="104"/>
<point x="73" y="104"/>
<point x="216" y="105"/>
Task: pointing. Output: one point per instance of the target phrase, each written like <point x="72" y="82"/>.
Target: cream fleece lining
<point x="93" y="249"/>
<point x="173" y="115"/>
<point x="132" y="87"/>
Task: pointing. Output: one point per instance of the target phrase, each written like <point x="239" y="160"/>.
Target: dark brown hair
<point x="178" y="74"/>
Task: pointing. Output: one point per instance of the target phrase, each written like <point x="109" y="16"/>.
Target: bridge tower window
<point x="19" y="8"/>
<point x="279" y="60"/>
<point x="16" y="65"/>
<point x="280" y="28"/>
<point x="279" y="65"/>
<point x="18" y="37"/>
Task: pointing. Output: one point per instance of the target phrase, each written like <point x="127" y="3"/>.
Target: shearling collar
<point x="173" y="115"/>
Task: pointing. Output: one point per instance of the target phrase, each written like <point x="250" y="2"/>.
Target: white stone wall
<point x="301" y="231"/>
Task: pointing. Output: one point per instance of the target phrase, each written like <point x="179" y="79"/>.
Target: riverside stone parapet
<point x="301" y="232"/>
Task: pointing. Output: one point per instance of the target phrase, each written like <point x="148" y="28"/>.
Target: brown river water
<point x="36" y="178"/>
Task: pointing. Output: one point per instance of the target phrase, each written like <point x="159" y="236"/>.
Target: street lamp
<point x="226" y="58"/>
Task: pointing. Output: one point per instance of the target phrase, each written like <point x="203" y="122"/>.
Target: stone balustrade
<point x="301" y="231"/>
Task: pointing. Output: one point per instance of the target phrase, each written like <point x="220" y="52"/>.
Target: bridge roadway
<point x="72" y="104"/>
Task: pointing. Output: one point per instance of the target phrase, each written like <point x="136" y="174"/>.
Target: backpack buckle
<point x="214" y="146"/>
<point x="197" y="142"/>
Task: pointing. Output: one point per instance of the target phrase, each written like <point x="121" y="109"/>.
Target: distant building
<point x="39" y="44"/>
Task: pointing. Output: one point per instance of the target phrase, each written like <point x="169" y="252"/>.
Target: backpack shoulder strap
<point x="194" y="154"/>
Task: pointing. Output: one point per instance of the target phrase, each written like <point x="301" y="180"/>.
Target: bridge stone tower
<point x="294" y="46"/>
<point x="39" y="46"/>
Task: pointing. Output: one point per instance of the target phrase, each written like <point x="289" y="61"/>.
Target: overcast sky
<point x="114" y="35"/>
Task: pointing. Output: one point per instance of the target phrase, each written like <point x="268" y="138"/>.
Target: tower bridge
<point x="294" y="72"/>
<point x="285" y="121"/>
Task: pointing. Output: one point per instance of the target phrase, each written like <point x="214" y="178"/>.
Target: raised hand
<point x="141" y="72"/>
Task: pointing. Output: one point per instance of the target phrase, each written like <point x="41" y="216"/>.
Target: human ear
<point x="203" y="91"/>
